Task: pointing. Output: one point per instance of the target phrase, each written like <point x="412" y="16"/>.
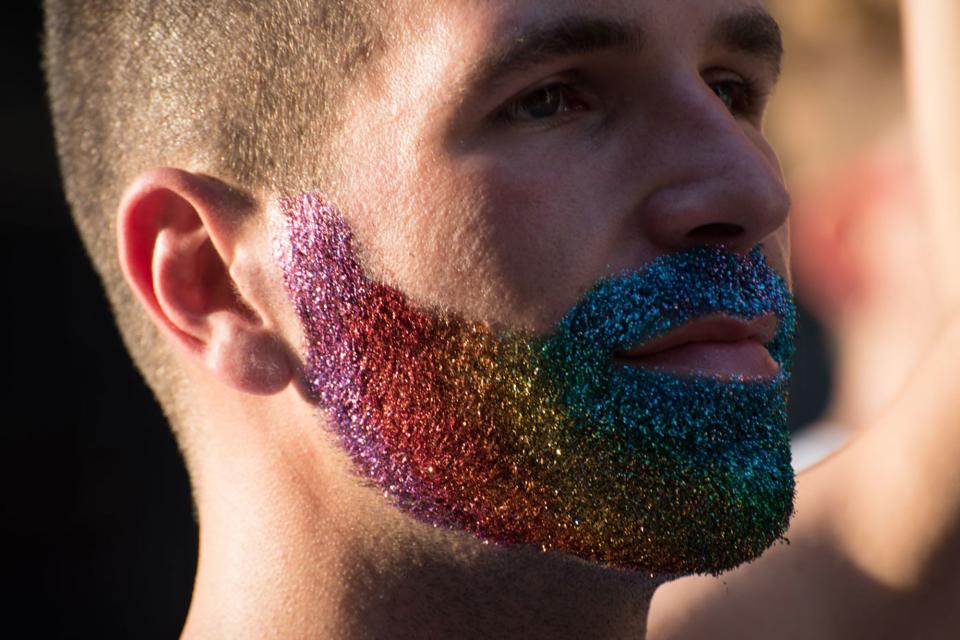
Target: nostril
<point x="716" y="231"/>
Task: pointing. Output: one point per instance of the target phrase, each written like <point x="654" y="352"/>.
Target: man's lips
<point x="718" y="345"/>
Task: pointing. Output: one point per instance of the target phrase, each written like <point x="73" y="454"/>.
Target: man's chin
<point x="624" y="481"/>
<point x="685" y="475"/>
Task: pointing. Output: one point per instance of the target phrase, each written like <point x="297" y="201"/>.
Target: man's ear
<point x="179" y="235"/>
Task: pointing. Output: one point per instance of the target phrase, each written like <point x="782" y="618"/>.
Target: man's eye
<point x="541" y="104"/>
<point x="736" y="94"/>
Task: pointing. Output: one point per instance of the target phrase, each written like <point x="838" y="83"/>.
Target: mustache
<point x="617" y="313"/>
<point x="621" y="311"/>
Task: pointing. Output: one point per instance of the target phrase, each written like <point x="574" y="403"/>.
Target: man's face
<point x="509" y="154"/>
<point x="525" y="186"/>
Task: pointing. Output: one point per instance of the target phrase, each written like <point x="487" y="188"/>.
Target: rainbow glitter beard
<point x="546" y="440"/>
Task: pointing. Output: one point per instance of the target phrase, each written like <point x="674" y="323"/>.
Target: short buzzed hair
<point x="245" y="90"/>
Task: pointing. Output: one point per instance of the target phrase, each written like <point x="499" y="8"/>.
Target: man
<point x="527" y="260"/>
<point x="492" y="164"/>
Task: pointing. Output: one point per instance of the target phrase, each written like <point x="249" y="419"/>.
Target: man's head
<point x="493" y="163"/>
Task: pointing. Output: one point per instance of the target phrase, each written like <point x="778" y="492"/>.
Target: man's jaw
<point x="542" y="440"/>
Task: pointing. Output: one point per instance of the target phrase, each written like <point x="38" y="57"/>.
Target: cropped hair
<point x="245" y="90"/>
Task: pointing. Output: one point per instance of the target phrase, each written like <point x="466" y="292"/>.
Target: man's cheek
<point x="543" y="243"/>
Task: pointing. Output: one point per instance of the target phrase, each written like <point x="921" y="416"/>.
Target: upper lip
<point x="709" y="328"/>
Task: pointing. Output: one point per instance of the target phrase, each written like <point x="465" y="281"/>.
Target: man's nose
<point x="720" y="182"/>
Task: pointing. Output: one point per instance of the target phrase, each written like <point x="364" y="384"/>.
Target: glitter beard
<point x="546" y="440"/>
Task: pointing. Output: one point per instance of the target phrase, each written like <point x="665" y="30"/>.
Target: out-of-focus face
<point x="510" y="317"/>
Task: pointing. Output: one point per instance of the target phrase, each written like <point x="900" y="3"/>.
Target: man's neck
<point x="288" y="556"/>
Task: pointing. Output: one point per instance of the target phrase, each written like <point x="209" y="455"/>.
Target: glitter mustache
<point x="547" y="440"/>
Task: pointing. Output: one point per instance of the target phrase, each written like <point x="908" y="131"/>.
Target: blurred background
<point x="96" y="513"/>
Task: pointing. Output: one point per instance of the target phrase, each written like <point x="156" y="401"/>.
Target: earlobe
<point x="250" y="360"/>
<point x="178" y="236"/>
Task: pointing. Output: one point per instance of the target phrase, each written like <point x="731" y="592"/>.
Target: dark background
<point x="98" y="536"/>
<point x="96" y="519"/>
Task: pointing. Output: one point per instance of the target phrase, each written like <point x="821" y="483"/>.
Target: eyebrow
<point x="752" y="31"/>
<point x="566" y="37"/>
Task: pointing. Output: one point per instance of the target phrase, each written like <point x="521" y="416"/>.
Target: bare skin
<point x="293" y="545"/>
<point x="499" y="218"/>
<point x="933" y="55"/>
<point x="509" y="225"/>
<point x="874" y="548"/>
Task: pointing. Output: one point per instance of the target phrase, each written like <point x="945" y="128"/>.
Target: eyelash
<point x="566" y="92"/>
<point x="745" y="101"/>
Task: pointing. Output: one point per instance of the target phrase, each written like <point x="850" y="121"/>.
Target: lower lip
<point x="744" y="359"/>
